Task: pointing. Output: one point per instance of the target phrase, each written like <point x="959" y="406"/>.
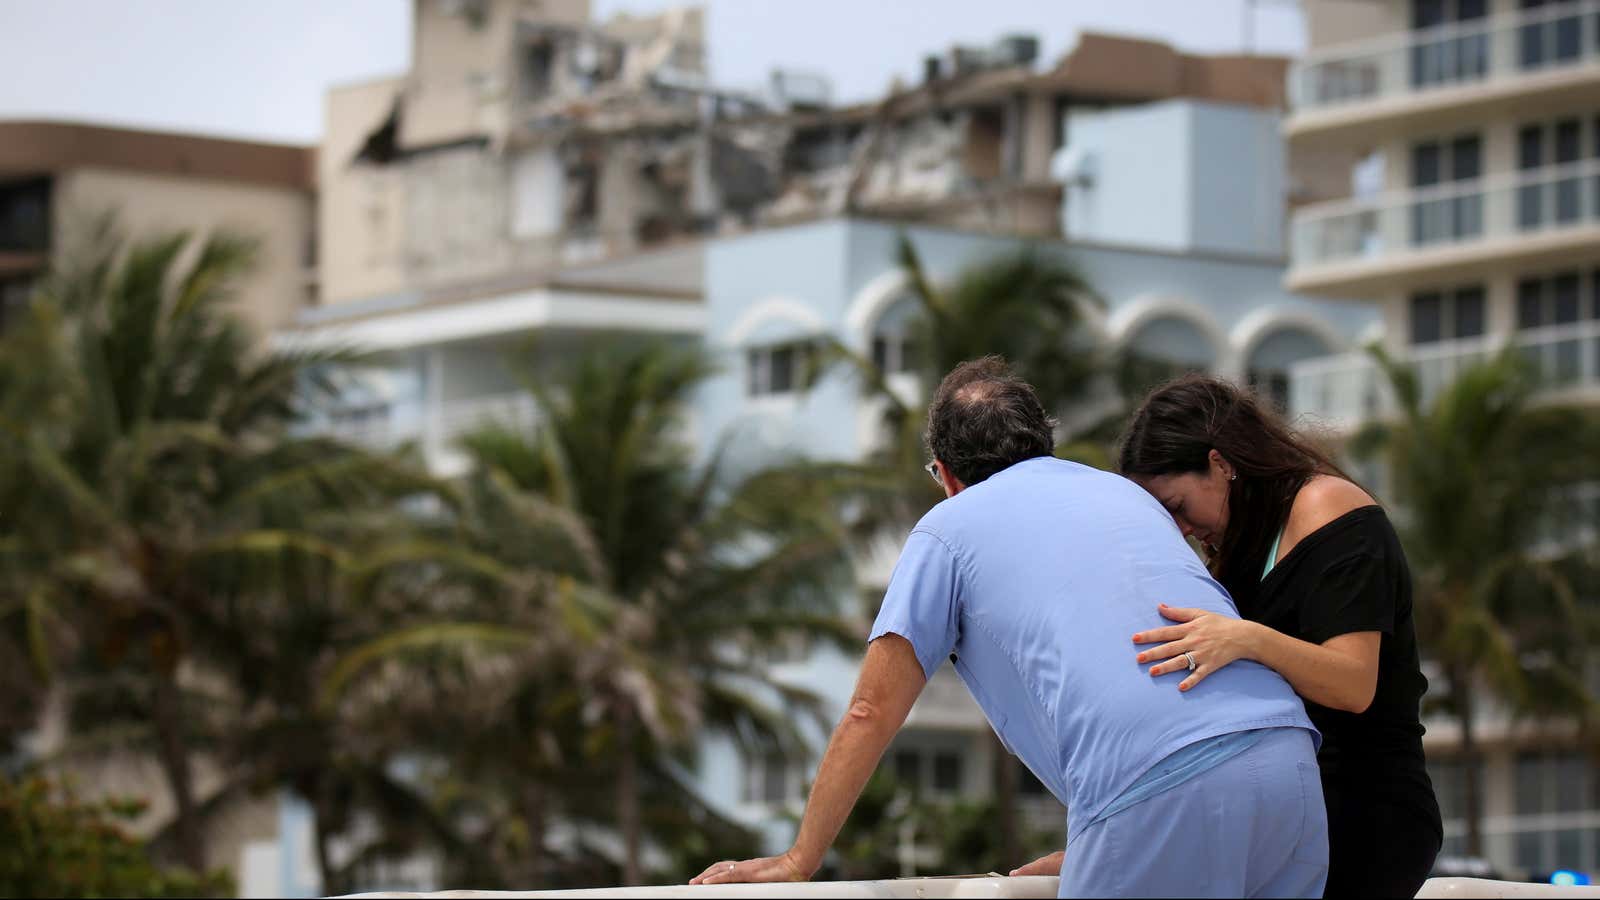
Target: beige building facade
<point x="1471" y="218"/>
<point x="56" y="176"/>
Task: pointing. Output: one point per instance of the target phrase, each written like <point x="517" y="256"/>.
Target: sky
<point x="248" y="69"/>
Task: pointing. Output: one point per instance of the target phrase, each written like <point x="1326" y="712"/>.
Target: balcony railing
<point x="1526" y="203"/>
<point x="1348" y="389"/>
<point x="516" y="410"/>
<point x="1484" y="52"/>
<point x="388" y="427"/>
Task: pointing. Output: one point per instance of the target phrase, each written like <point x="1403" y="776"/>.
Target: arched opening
<point x="892" y="347"/>
<point x="1267" y="366"/>
<point x="1163" y="348"/>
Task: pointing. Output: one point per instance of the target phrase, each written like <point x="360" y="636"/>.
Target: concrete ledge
<point x="969" y="886"/>
<point x="1474" y="888"/>
<point x="925" y="888"/>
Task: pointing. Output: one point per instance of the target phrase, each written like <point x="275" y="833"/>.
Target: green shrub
<point x="53" y="845"/>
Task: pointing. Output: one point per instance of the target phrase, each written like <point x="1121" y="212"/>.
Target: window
<point x="362" y="415"/>
<point x="13" y="299"/>
<point x="1551" y="783"/>
<point x="931" y="770"/>
<point x="1450" y="787"/>
<point x="1549" y="38"/>
<point x="893" y="353"/>
<point x="1446" y="215"/>
<point x="25" y="216"/>
<point x="1447" y="315"/>
<point x="1548" y="301"/>
<point x="778" y="368"/>
<point x="1542" y="199"/>
<point x="1164" y="348"/>
<point x="1459" y="54"/>
<point x="770" y="779"/>
<point x="893" y="350"/>
<point x="1562" y="298"/>
<point x="535" y="68"/>
<point x="947" y="772"/>
<point x="908" y="767"/>
<point x="1267" y="369"/>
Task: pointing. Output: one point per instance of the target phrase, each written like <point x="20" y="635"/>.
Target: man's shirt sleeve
<point x="922" y="603"/>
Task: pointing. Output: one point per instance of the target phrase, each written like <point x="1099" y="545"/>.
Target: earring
<point x="1234" y="477"/>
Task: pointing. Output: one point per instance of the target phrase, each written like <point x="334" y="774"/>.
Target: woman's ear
<point x="1219" y="463"/>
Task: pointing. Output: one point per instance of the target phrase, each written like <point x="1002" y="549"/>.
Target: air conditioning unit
<point x="1016" y="50"/>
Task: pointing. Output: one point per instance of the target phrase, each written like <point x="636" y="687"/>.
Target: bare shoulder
<point x="1323" y="499"/>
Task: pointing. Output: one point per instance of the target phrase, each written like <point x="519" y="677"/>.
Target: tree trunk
<point x="175" y="765"/>
<point x="534" y="811"/>
<point x="1005" y="801"/>
<point x="628" y="798"/>
<point x="1471" y="765"/>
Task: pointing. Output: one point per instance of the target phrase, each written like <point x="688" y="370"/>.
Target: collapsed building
<point x="527" y="138"/>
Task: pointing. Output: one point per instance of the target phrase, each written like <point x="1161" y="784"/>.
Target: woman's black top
<point x="1350" y="575"/>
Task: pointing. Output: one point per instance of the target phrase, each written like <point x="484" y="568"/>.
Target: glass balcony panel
<point x="1491" y="50"/>
<point x="1349" y="389"/>
<point x="1501" y="205"/>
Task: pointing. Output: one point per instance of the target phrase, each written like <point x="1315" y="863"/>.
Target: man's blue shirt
<point x="1037" y="579"/>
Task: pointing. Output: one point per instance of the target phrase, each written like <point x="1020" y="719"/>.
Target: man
<point x="1035" y="574"/>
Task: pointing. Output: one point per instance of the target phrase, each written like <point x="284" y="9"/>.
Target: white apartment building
<point x="1471" y="222"/>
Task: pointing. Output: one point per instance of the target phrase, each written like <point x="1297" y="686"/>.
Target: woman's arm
<point x="1339" y="673"/>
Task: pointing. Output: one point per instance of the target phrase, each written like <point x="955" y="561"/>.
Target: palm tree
<point x="161" y="495"/>
<point x="1480" y="475"/>
<point x="1027" y="307"/>
<point x="634" y="585"/>
<point x="30" y="630"/>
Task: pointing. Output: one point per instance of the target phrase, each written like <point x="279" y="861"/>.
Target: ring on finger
<point x="1190" y="658"/>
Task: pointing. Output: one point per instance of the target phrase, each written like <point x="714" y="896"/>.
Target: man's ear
<point x="952" y="484"/>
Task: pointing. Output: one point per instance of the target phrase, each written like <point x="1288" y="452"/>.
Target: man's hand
<point x="767" y="868"/>
<point x="1044" y="865"/>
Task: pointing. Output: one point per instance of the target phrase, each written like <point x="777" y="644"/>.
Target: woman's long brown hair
<point x="1174" y="432"/>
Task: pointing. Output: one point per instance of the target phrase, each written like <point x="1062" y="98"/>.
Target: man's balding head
<point x="984" y="419"/>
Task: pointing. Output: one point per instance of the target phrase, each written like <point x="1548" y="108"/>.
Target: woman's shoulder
<point x="1322" y="500"/>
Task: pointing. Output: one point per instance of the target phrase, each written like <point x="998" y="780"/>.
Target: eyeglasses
<point x="932" y="468"/>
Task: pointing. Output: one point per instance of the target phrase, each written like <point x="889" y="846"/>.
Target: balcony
<point x="1423" y="74"/>
<point x="1346" y="390"/>
<point x="1352" y="247"/>
<point x="387" y="427"/>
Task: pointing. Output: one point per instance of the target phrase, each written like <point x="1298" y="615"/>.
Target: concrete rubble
<point x="527" y="138"/>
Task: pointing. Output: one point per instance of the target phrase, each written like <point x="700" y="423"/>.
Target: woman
<point x="1318" y="574"/>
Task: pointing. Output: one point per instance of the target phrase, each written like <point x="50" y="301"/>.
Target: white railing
<point x="376" y="428"/>
<point x="1348" y="389"/>
<point x="388" y="427"/>
<point x="1526" y="203"/>
<point x="1488" y="51"/>
<point x="515" y="410"/>
<point x="951" y="887"/>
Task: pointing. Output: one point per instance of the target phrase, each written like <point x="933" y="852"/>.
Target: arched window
<point x="892" y="347"/>
<point x="1162" y="348"/>
<point x="1267" y="367"/>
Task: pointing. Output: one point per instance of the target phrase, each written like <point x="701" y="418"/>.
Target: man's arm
<point x="891" y="679"/>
